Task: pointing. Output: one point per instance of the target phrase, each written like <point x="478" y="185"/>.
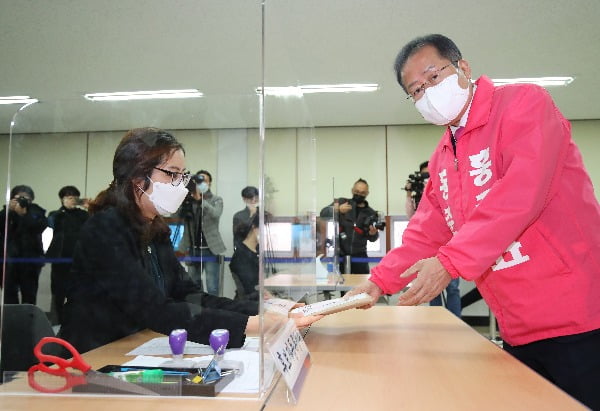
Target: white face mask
<point x="443" y="102"/>
<point x="202" y="187"/>
<point x="166" y="197"/>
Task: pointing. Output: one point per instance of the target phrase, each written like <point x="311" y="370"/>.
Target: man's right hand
<point x="368" y="287"/>
<point x="16" y="207"/>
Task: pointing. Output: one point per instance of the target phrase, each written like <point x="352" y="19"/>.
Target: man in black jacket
<point x="26" y="222"/>
<point x="356" y="220"/>
<point x="66" y="222"/>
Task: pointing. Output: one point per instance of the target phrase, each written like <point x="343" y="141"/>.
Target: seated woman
<point x="125" y="275"/>
<point x="244" y="262"/>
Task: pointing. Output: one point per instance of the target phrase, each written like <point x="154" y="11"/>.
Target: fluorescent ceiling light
<point x="18" y="100"/>
<point x="540" y="81"/>
<point x="318" y="88"/>
<point x="144" y="95"/>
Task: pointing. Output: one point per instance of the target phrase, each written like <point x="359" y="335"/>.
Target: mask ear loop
<point x="458" y="68"/>
<point x="141" y="189"/>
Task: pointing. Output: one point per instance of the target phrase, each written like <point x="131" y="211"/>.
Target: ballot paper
<point x="246" y="383"/>
<point x="335" y="305"/>
<point x="160" y="346"/>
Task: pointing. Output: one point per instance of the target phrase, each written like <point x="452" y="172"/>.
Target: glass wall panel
<point x="71" y="141"/>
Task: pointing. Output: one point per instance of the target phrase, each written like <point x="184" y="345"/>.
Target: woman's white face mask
<point x="442" y="103"/>
<point x="166" y="197"/>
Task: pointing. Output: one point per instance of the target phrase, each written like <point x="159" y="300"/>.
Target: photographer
<point x="414" y="188"/>
<point x="201" y="212"/>
<point x="358" y="223"/>
<point x="26" y="222"/>
<point x="414" y="191"/>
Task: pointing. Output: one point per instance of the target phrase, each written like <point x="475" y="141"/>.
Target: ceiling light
<point x="317" y="88"/>
<point x="144" y="95"/>
<point x="540" y="81"/>
<point x="18" y="100"/>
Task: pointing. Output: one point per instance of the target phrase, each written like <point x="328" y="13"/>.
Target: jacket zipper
<point x="454" y="150"/>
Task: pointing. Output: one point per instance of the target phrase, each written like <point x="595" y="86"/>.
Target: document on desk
<point x="160" y="346"/>
<point x="245" y="383"/>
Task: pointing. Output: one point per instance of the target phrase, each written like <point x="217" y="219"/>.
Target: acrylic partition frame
<point x="48" y="131"/>
<point x="233" y="136"/>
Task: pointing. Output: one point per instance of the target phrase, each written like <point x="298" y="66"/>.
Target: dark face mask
<point x="358" y="198"/>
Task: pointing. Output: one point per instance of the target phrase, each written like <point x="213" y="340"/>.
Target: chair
<point x="240" y="292"/>
<point x="23" y="326"/>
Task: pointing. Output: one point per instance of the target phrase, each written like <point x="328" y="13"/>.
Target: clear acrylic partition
<point x="48" y="132"/>
<point x="72" y="141"/>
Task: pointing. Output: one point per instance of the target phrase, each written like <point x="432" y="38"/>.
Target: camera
<point x="23" y="202"/>
<point x="417" y="182"/>
<point x="373" y="220"/>
<point x="198" y="178"/>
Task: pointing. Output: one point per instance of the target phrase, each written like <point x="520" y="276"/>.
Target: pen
<point x="165" y="372"/>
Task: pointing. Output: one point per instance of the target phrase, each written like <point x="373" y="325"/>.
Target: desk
<point x="415" y="358"/>
<point x="114" y="353"/>
<point x="411" y="358"/>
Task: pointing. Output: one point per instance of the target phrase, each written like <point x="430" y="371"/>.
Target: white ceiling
<point x="58" y="50"/>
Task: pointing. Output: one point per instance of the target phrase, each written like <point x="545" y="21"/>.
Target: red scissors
<point x="97" y="381"/>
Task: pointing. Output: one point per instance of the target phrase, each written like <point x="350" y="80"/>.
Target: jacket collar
<point x="481" y="107"/>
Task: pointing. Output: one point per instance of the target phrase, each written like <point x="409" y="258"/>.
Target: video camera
<point x="417" y="185"/>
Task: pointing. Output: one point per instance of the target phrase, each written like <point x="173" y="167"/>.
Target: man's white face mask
<point x="443" y="102"/>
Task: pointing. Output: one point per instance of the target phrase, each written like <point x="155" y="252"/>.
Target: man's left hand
<point x="431" y="280"/>
<point x="372" y="230"/>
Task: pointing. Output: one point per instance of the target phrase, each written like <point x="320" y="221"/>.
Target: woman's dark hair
<point x="137" y="154"/>
<point x="242" y="230"/>
<point x="445" y="47"/>
<point x="68" y="191"/>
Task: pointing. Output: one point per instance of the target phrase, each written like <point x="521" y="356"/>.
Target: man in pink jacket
<point x="509" y="206"/>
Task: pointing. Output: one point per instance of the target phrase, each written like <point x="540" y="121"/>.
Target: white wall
<point x="302" y="165"/>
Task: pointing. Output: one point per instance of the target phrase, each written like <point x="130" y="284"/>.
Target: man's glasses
<point x="434" y="79"/>
<point x="176" y="177"/>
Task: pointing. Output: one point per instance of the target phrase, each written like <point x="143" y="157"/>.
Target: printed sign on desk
<point x="291" y="357"/>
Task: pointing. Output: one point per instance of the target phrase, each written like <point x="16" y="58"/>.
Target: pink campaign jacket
<point x="514" y="211"/>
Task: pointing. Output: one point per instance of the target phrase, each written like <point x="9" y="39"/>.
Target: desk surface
<point x="413" y="358"/>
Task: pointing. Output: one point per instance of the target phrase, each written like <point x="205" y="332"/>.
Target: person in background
<point x="66" y="222"/>
<point x="201" y="213"/>
<point x="26" y="222"/>
<point x="244" y="262"/>
<point x="510" y="206"/>
<point x="354" y="217"/>
<point x="242" y="217"/>
<point x="413" y="198"/>
<point x="125" y="276"/>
